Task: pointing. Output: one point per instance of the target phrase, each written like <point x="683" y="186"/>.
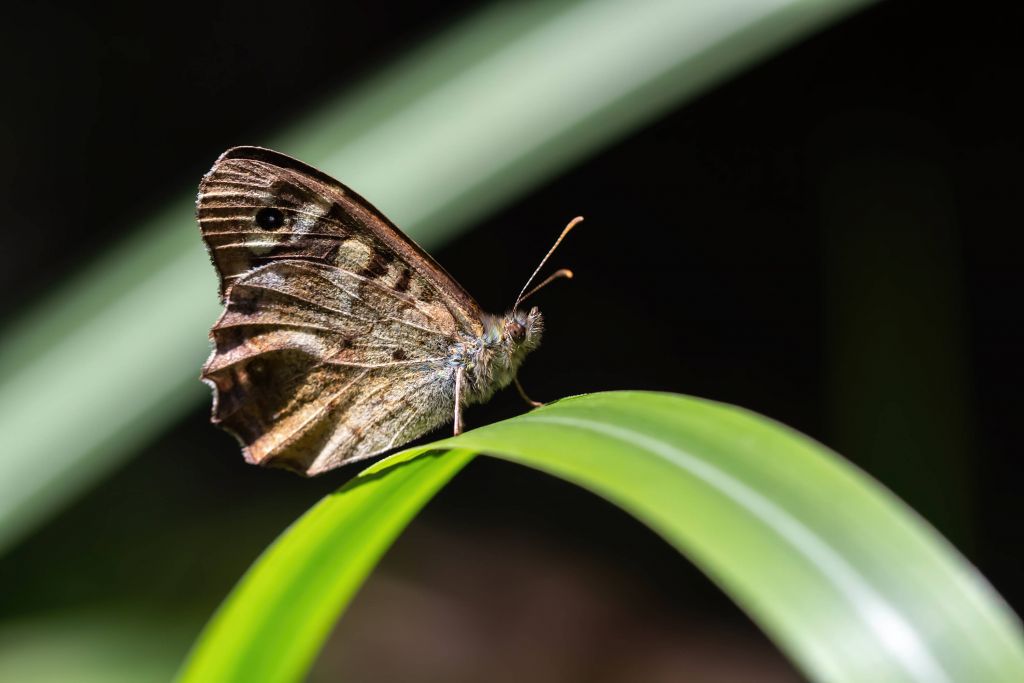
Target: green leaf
<point x="847" y="580"/>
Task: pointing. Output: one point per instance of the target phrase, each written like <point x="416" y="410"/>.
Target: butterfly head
<point x="521" y="330"/>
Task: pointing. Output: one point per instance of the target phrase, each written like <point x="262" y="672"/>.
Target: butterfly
<point x="340" y="337"/>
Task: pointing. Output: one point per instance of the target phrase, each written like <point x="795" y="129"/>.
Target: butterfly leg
<point x="459" y="374"/>
<point x="522" y="394"/>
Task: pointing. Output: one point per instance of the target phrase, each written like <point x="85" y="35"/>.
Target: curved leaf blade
<point x="277" y="618"/>
<point x="846" y="579"/>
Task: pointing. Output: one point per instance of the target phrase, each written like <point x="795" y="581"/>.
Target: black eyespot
<point x="269" y="218"/>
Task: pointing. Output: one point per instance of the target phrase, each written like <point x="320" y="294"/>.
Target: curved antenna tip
<point x="565" y="272"/>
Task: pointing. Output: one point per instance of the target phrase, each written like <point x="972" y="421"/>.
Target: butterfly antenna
<point x="562" y="273"/>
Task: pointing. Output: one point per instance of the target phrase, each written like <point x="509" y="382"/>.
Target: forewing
<point x="324" y="222"/>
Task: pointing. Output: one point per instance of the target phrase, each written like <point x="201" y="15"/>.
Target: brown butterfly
<point x="340" y="337"/>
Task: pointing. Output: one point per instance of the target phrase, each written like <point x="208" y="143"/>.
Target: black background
<point x="831" y="239"/>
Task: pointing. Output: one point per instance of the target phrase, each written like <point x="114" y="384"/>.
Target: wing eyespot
<point x="269" y="218"/>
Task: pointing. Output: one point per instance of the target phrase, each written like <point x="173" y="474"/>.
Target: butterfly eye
<point x="515" y="330"/>
<point x="269" y="218"/>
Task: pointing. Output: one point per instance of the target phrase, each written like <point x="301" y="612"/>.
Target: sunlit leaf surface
<point x="850" y="583"/>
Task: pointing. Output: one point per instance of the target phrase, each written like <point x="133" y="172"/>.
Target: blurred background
<point x="809" y="209"/>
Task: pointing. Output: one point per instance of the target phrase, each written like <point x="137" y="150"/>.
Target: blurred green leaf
<point x="91" y="646"/>
<point x="847" y="580"/>
<point x="485" y="111"/>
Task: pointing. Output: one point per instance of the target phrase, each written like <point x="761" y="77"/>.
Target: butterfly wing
<point x="334" y="340"/>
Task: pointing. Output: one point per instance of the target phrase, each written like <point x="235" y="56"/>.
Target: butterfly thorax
<point x="492" y="360"/>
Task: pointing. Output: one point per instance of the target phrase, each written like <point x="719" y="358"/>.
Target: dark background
<point x="831" y="239"/>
